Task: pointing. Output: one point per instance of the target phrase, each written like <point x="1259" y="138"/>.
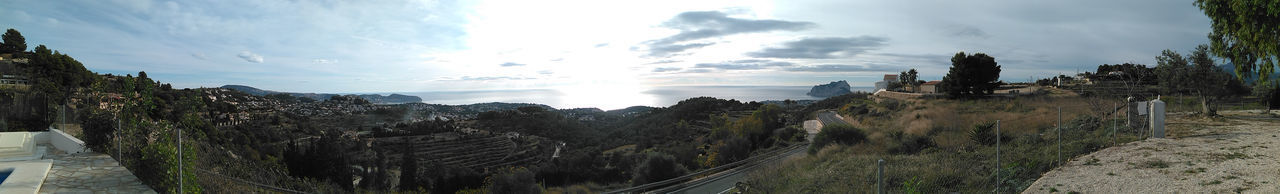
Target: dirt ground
<point x="1238" y="153"/>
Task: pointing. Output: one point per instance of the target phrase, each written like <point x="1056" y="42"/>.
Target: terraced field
<point x="479" y="151"/>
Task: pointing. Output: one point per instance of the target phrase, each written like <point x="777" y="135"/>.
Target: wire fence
<point x="1025" y="146"/>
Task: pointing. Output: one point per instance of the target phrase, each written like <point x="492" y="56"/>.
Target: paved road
<point x="830" y="118"/>
<point x="728" y="179"/>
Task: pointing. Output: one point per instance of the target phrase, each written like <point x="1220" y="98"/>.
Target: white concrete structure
<point x="888" y="79"/>
<point x="23" y="154"/>
<point x="1157" y="118"/>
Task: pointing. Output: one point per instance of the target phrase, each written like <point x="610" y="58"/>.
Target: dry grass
<point x="953" y="163"/>
<point x="948" y="121"/>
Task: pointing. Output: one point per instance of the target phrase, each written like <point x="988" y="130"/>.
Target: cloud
<point x="545" y="72"/>
<point x="250" y="57"/>
<point x="664" y="62"/>
<point x="200" y="56"/>
<point x="822" y="48"/>
<point x="698" y="71"/>
<point x="666" y="69"/>
<point x="484" y="78"/>
<point x="324" y="61"/>
<point x="663" y="50"/>
<point x="838" y="68"/>
<point x="969" y="31"/>
<point x="698" y="25"/>
<point x="510" y="64"/>
<point x="749" y="64"/>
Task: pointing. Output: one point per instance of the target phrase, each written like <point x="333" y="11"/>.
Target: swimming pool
<point x="4" y="173"/>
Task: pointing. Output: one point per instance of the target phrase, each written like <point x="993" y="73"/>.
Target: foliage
<point x="657" y="167"/>
<point x="910" y="78"/>
<point x="161" y="159"/>
<point x="971" y="75"/>
<point x="513" y="180"/>
<point x="98" y="127"/>
<point x="983" y="133"/>
<point x="319" y="161"/>
<point x="1244" y="31"/>
<point x="13" y="42"/>
<point x="1198" y="75"/>
<point x="409" y="169"/>
<point x="1136" y="73"/>
<point x="729" y="150"/>
<point x="1269" y="93"/>
<point x="837" y="134"/>
<point x="911" y="186"/>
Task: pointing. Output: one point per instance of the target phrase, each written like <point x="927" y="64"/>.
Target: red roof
<point x="932" y="83"/>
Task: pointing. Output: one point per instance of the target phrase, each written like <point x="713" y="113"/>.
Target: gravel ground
<point x="1234" y="154"/>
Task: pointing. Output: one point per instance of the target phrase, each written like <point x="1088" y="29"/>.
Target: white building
<point x="888" y="79"/>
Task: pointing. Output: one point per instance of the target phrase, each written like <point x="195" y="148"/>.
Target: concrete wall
<point x="66" y="142"/>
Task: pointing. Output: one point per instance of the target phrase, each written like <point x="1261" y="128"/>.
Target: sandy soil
<point x="1238" y="153"/>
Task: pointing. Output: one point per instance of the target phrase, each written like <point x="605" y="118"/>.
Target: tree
<point x="1268" y="93"/>
<point x="1198" y="75"/>
<point x="909" y="78"/>
<point x="1244" y="31"/>
<point x="13" y="42"/>
<point x="971" y="75"/>
<point x="409" y="170"/>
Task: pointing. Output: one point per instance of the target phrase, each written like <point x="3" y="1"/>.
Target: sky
<point x="588" y="46"/>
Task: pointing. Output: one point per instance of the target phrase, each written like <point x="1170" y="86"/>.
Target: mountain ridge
<point x="373" y="98"/>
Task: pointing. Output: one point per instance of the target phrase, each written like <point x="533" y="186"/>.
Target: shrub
<point x="840" y="134"/>
<point x="909" y="144"/>
<point x="731" y="150"/>
<point x="98" y="127"/>
<point x="983" y="133"/>
<point x="657" y="167"/>
<point x="514" y="180"/>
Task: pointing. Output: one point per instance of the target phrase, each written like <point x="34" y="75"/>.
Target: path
<point x="1202" y="156"/>
<point x="90" y="173"/>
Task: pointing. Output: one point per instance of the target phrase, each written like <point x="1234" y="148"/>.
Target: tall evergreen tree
<point x="971" y="75"/>
<point x="13" y="42"/>
<point x="409" y="170"/>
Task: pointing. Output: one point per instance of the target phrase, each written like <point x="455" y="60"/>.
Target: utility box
<point x="1157" y="118"/>
<point x="1136" y="114"/>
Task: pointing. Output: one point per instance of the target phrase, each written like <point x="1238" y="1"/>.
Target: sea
<point x="654" y="97"/>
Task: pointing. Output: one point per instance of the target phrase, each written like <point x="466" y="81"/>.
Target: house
<point x="889" y="79"/>
<point x="9" y="75"/>
<point x="930" y="87"/>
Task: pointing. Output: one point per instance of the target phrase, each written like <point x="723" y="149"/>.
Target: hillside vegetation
<point x="939" y="146"/>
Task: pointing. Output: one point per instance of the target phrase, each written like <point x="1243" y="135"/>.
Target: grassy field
<point x="927" y="146"/>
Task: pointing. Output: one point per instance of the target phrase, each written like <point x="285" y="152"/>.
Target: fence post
<point x="880" y="176"/>
<point x="118" y="155"/>
<point x="180" y="160"/>
<point x="997" y="156"/>
<point x="1114" y="117"/>
<point x="1059" y="136"/>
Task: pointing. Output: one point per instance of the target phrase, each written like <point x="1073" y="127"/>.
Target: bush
<point x="731" y="150"/>
<point x="98" y="127"/>
<point x="841" y="134"/>
<point x="515" y="180"/>
<point x="983" y="133"/>
<point x="657" y="167"/>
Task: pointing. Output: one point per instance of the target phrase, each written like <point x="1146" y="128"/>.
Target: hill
<point x="373" y="98"/>
<point x="835" y="88"/>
